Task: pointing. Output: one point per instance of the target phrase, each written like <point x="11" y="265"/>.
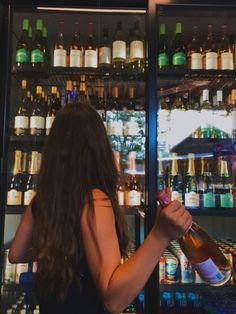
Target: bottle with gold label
<point x="175" y="181"/>
<point x="206" y="187"/>
<point x="132" y="188"/>
<point x="191" y="192"/>
<point x="14" y="193"/>
<point x="37" y="119"/>
<point x="51" y="110"/>
<point x="31" y="184"/>
<point x="120" y="185"/>
<point x="225" y="187"/>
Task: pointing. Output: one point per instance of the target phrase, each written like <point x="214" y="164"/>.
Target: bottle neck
<point x="17" y="163"/>
<point x="34" y="163"/>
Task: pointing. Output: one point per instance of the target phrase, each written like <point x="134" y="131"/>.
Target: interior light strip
<point x="135" y="11"/>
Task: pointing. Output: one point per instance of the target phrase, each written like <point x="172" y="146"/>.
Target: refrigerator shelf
<point x="188" y="73"/>
<point x="196" y="287"/>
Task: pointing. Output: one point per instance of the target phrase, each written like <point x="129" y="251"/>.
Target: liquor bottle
<point x="194" y="52"/>
<point x="46" y="51"/>
<point x="191" y="195"/>
<point x="21" y="123"/>
<point x="178" y="102"/>
<point x="51" y="110"/>
<point x="178" y="49"/>
<point x="225" y="52"/>
<point x="82" y="96"/>
<point x="76" y="49"/>
<point x="30" y="189"/>
<point x="115" y="126"/>
<point x="59" y="50"/>
<point x="37" y="53"/>
<point x="37" y="118"/>
<point x="102" y="105"/>
<point x="130" y="38"/>
<point x="104" y="51"/>
<point x="225" y="189"/>
<point x="202" y="251"/>
<point x="137" y="49"/>
<point x="210" y="52"/>
<point x="119" y="48"/>
<point x="132" y="187"/>
<point x="206" y="187"/>
<point x="120" y="186"/>
<point x="163" y="54"/>
<point x="206" y="115"/>
<point x="22" y="48"/>
<point x="14" y="193"/>
<point x="90" y="49"/>
<point x="175" y="180"/>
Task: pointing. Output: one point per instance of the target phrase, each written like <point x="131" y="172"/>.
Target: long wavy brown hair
<point x="77" y="158"/>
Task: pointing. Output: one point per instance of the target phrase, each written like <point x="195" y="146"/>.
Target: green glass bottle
<point x="163" y="55"/>
<point x="178" y="49"/>
<point x="37" y="53"/>
<point x="46" y="51"/>
<point x="22" y="48"/>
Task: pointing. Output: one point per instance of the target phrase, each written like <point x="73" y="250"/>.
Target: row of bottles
<point x="23" y="181"/>
<point x="211" y="187"/>
<point x="174" y="267"/>
<point x="208" y="54"/>
<point x="19" y="305"/>
<point x="35" y="113"/>
<point x="117" y="52"/>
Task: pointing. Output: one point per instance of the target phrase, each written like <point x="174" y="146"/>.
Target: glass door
<point x="63" y="55"/>
<point x="196" y="69"/>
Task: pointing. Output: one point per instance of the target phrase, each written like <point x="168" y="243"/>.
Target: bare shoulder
<point x="99" y="194"/>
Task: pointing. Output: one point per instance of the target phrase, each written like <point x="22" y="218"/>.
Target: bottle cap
<point x="25" y="24"/>
<point x="162" y="29"/>
<point x="39" y="25"/>
<point x="178" y="28"/>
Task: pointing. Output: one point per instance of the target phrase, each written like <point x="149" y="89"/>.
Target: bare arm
<point x="119" y="283"/>
<point x="21" y="250"/>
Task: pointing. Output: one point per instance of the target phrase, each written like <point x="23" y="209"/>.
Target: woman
<point x="74" y="228"/>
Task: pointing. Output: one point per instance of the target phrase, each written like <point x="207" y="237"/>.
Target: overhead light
<point x="92" y="10"/>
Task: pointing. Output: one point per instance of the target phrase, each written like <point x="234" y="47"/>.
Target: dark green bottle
<point x="22" y="48"/>
<point x="37" y="53"/>
<point x="46" y="51"/>
<point x="163" y="55"/>
<point x="178" y="49"/>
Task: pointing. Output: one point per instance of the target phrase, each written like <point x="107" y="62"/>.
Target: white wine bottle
<point x="201" y="250"/>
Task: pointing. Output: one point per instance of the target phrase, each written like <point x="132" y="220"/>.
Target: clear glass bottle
<point x="60" y="57"/>
<point x="21" y="122"/>
<point x="194" y="52"/>
<point x="30" y="188"/>
<point x="76" y="48"/>
<point x="137" y="49"/>
<point x="15" y="187"/>
<point x="104" y="52"/>
<point x="225" y="52"/>
<point x="37" y="118"/>
<point x="90" y="49"/>
<point x="210" y="55"/>
<point x="119" y="48"/>
<point x="191" y="195"/>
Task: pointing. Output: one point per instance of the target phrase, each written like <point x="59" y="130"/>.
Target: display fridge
<point x="195" y="88"/>
<point x="59" y="54"/>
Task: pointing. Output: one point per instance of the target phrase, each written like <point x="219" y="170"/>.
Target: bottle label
<point x="196" y="61"/>
<point x="131" y="128"/>
<point x="37" y="56"/>
<point x="179" y="58"/>
<point x="105" y="55"/>
<point x="22" y="55"/>
<point x="209" y="199"/>
<point x="120" y="195"/>
<point x="136" y="49"/>
<point x="133" y="198"/>
<point x="49" y="121"/>
<point x="175" y="195"/>
<point x="21" y="122"/>
<point x="163" y="59"/>
<point x="115" y="128"/>
<point x="37" y="122"/>
<point x="59" y="58"/>
<point x="227" y="62"/>
<point x="208" y="271"/>
<point x="119" y="49"/>
<point x="75" y="58"/>
<point x="91" y="58"/>
<point x="28" y="196"/>
<point x="14" y="197"/>
<point x="227" y="200"/>
<point x="211" y="61"/>
<point x="186" y="269"/>
<point x="172" y="268"/>
<point x="192" y="199"/>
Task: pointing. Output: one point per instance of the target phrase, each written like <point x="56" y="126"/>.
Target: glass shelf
<point x="188" y="73"/>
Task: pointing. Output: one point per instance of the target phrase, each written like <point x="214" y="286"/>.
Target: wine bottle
<point x="225" y="51"/>
<point x="178" y="103"/>
<point x="104" y="52"/>
<point x="59" y="50"/>
<point x="120" y="186"/>
<point x="178" y="49"/>
<point x="194" y="52"/>
<point x="175" y="180"/>
<point x="90" y="49"/>
<point x="37" y="53"/>
<point x="119" y="48"/>
<point x="163" y="53"/>
<point x="129" y="40"/>
<point x="30" y="189"/>
<point x="191" y="192"/>
<point x="102" y="105"/>
<point x="37" y="118"/>
<point x="132" y="187"/>
<point x="51" y="110"/>
<point x="22" y="48"/>
<point x="83" y="96"/>
<point x="76" y="49"/>
<point x="15" y="187"/>
<point x="202" y="251"/>
<point x="206" y="187"/>
<point x="21" y="123"/>
<point x="69" y="91"/>
<point x="224" y="189"/>
<point x="115" y="127"/>
<point x="46" y="51"/>
<point x="210" y="51"/>
<point x="137" y="49"/>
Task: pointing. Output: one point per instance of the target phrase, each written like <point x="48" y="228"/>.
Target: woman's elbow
<point x="12" y="258"/>
<point x="113" y="307"/>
